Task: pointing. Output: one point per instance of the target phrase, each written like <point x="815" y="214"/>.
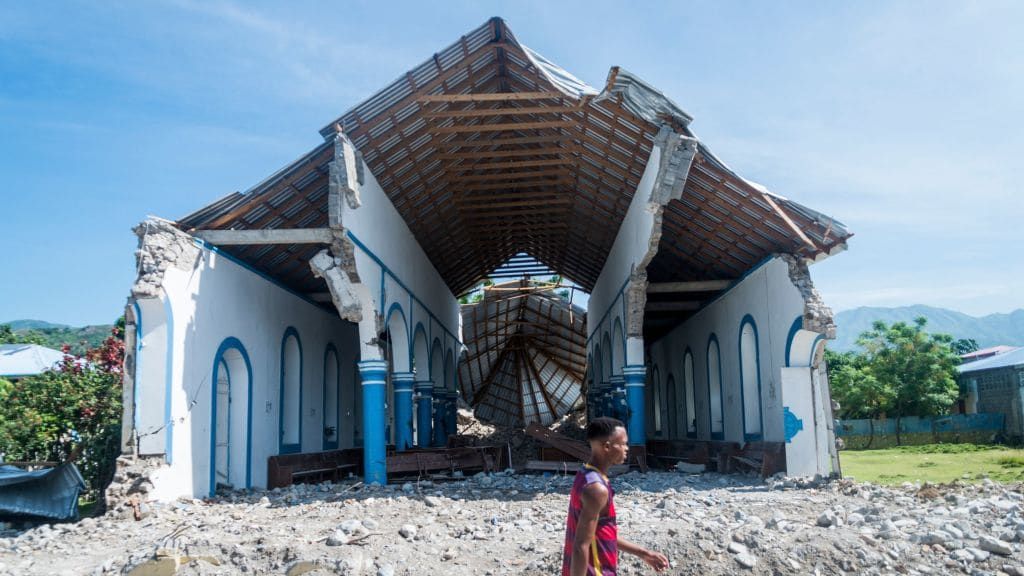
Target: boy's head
<point x="608" y="440"/>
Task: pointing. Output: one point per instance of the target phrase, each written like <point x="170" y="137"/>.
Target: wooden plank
<point x="695" y="286"/>
<point x="511" y="187"/>
<point x="508" y="153"/>
<point x="514" y="204"/>
<point x="501" y="127"/>
<point x="492" y="97"/>
<point x="672" y="306"/>
<point x="266" y="236"/>
<point x="512" y="164"/>
<point x="510" y="141"/>
<point x="455" y="178"/>
<point x="487" y="112"/>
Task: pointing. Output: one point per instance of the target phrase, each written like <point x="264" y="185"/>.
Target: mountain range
<point x="56" y="335"/>
<point x="990" y="330"/>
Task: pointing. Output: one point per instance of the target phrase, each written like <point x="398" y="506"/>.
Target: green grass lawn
<point x="934" y="463"/>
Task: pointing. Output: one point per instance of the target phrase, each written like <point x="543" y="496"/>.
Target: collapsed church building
<point x="318" y="310"/>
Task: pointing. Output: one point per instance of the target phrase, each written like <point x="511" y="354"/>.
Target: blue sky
<point x="904" y="120"/>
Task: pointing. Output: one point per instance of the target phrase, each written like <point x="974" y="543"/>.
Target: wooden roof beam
<point x="681" y="287"/>
<point x="491" y="97"/>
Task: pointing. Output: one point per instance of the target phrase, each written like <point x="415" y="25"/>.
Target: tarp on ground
<point x="51" y="493"/>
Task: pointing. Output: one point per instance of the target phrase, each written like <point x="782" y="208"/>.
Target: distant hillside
<point x="57" y="335"/>
<point x="987" y="331"/>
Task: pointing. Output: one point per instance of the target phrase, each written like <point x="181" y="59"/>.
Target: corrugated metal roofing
<point x="27" y="359"/>
<point x="526" y="354"/>
<point x="1004" y="360"/>
<point x="551" y="172"/>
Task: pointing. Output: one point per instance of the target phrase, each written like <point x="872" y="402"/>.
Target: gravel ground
<point x="514" y="524"/>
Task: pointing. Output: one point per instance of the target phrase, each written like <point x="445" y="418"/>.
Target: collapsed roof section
<point x="488" y="150"/>
<point x="526" y="354"/>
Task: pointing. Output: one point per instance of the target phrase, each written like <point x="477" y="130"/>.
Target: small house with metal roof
<point x="994" y="385"/>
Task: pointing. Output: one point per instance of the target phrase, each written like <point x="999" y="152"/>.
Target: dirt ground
<point x="514" y="524"/>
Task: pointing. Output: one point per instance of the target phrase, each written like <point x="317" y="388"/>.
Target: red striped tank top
<point x="603" y="558"/>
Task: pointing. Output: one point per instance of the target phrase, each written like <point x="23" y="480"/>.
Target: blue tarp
<point x="51" y="493"/>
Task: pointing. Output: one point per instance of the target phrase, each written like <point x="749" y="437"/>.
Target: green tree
<point x="963" y="346"/>
<point x="72" y="411"/>
<point x="859" y="393"/>
<point x="917" y="366"/>
<point x="8" y="336"/>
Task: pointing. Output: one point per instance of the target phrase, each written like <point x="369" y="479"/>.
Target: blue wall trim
<point x="283" y="448"/>
<point x="793" y="329"/>
<point x="692" y="386"/>
<point x="229" y="344"/>
<point x="721" y="388"/>
<point x="604" y="316"/>
<point x="389" y="272"/>
<point x="748" y="319"/>
<point x="138" y="359"/>
<point x="169" y="385"/>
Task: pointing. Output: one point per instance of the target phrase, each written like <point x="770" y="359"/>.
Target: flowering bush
<point x="71" y="411"/>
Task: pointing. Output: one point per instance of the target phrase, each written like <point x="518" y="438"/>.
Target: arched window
<point x="332" y="387"/>
<point x="715" y="408"/>
<point x="656" y="380"/>
<point x="691" y="411"/>
<point x="291" y="393"/>
<point x="673" y="408"/>
<point x="750" y="380"/>
<point x="231" y="411"/>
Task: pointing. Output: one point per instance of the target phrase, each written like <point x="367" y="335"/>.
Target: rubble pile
<point x="514" y="524"/>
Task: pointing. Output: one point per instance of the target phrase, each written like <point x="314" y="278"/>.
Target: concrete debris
<point x="339" y="281"/>
<point x="510" y="523"/>
<point x="817" y="315"/>
<point x="161" y="247"/>
<point x="688" y="468"/>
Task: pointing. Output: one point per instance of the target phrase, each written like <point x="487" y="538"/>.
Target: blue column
<point x="403" y="385"/>
<point x="373" y="374"/>
<point x="451" y="416"/>
<point x="424" y="412"/>
<point x="636" y="377"/>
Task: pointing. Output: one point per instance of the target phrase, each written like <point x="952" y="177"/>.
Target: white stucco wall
<point x="386" y="249"/>
<point x="217" y="300"/>
<point x="606" y="305"/>
<point x="769" y="297"/>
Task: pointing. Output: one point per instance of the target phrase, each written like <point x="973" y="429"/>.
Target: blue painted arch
<point x="328" y="350"/>
<point x="721" y="387"/>
<point x="230" y="343"/>
<point x="750" y="437"/>
<point x="282" y="447"/>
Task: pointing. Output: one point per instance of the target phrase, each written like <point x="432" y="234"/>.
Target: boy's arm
<point x="655" y="560"/>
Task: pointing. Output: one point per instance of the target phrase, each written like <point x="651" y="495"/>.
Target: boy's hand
<point x="655" y="560"/>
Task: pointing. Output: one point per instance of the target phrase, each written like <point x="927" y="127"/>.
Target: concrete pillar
<point x="373" y="374"/>
<point x="452" y="414"/>
<point x="617" y="395"/>
<point x="424" y="412"/>
<point x="635" y="380"/>
<point x="403" y="386"/>
<point x="440" y="404"/>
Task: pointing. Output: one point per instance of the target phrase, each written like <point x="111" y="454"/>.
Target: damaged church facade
<point x="319" y="309"/>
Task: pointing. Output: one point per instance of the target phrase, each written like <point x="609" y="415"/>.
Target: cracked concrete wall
<point x="817" y="315"/>
<point x="637" y="242"/>
<point x="161" y="247"/>
<point x="387" y="270"/>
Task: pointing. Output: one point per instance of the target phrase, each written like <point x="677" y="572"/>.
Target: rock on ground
<point x="514" y="524"/>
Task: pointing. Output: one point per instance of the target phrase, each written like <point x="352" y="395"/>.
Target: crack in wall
<point x="817" y="316"/>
